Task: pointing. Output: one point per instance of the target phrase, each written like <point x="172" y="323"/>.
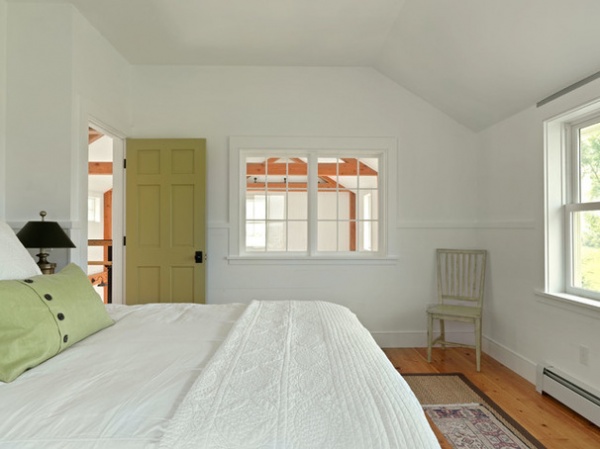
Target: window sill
<point x="573" y="303"/>
<point x="305" y="260"/>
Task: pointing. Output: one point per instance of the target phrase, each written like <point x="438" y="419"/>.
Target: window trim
<point x="559" y="164"/>
<point x="385" y="146"/>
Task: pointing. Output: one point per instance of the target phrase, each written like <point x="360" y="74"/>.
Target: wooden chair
<point x="460" y="283"/>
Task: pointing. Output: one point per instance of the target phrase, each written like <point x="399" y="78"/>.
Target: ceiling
<point x="479" y="61"/>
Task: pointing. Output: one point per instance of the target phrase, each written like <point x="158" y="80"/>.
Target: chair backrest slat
<point x="461" y="275"/>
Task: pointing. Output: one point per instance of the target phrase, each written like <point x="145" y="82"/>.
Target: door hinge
<point x="124" y="163"/>
<point x="124" y="240"/>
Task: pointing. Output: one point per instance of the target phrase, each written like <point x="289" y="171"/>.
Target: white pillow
<point x="15" y="260"/>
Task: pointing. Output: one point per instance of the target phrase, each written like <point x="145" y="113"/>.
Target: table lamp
<point x="43" y="235"/>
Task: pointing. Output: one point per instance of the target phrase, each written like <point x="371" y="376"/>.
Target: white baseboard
<point x="400" y="339"/>
<point x="415" y="339"/>
<point x="509" y="358"/>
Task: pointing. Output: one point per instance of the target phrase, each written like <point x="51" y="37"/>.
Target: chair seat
<point x="458" y="311"/>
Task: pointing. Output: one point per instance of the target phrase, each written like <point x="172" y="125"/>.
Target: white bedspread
<point x="299" y="375"/>
<point x="118" y="388"/>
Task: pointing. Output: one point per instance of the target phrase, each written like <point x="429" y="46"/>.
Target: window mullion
<point x="312" y="191"/>
<point x="581" y="207"/>
<point x="242" y="209"/>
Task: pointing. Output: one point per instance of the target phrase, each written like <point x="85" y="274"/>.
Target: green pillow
<point x="43" y="315"/>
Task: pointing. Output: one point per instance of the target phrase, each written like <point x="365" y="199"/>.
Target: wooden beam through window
<point x="350" y="167"/>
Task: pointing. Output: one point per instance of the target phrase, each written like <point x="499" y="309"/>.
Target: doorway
<point x="100" y="193"/>
<point x="104" y="213"/>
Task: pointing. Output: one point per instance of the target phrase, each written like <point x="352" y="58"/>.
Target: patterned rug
<point x="465" y="416"/>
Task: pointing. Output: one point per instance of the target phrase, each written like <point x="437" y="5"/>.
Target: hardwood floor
<point x="553" y="424"/>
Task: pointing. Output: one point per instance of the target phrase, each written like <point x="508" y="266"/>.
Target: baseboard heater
<point x="579" y="397"/>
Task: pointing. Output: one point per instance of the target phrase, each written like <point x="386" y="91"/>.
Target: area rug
<point x="465" y="416"/>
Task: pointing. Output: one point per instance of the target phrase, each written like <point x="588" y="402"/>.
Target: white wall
<point x="455" y="189"/>
<point x="525" y="329"/>
<point x="436" y="177"/>
<point x="60" y="73"/>
<point x="39" y="105"/>
<point x="3" y="90"/>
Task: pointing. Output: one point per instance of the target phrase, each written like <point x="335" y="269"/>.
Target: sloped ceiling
<point x="479" y="61"/>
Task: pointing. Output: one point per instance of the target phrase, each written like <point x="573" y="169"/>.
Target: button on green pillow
<point x="43" y="315"/>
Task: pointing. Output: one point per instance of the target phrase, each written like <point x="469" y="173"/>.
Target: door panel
<point x="165" y="220"/>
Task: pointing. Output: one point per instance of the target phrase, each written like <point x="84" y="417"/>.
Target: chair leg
<point x="478" y="343"/>
<point x="429" y="336"/>
<point x="443" y="333"/>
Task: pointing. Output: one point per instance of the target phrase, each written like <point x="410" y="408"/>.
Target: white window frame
<point x="560" y="188"/>
<point x="383" y="147"/>
<point x="575" y="205"/>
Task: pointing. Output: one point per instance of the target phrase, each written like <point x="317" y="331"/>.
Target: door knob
<point x="198" y="257"/>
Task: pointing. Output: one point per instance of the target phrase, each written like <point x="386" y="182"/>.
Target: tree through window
<point x="584" y="210"/>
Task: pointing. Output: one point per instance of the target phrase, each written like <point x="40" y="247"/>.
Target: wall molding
<point x="528" y="224"/>
<point x="218" y="225"/>
<point x="434" y="224"/>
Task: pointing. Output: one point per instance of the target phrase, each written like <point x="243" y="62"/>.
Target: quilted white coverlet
<point x="299" y="375"/>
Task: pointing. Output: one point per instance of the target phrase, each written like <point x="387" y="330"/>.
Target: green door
<point x="165" y="220"/>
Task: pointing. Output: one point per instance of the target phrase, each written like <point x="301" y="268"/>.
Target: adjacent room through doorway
<point x="100" y="209"/>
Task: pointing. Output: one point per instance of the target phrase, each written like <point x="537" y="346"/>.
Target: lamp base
<point x="45" y="266"/>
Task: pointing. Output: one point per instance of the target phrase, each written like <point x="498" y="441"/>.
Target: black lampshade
<point x="44" y="234"/>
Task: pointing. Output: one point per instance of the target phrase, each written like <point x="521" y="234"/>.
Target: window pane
<point x="368" y="173"/>
<point x="255" y="236"/>
<point x="327" y="206"/>
<point x="368" y="205"/>
<point x="327" y="236"/>
<point x="256" y="206"/>
<point x="586" y="250"/>
<point x="368" y="236"/>
<point x="297" y="236"/>
<point x="297" y="205"/>
<point x="276" y="236"/>
<point x="327" y="173"/>
<point x="255" y="173"/>
<point x="348" y="175"/>
<point x="276" y="207"/>
<point x="297" y="173"/>
<point x="347" y="236"/>
<point x="589" y="154"/>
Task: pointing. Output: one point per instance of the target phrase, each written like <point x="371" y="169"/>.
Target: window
<point x="280" y="189"/>
<point x="94" y="209"/>
<point x="583" y="210"/>
<point x="308" y="198"/>
<point x="572" y="206"/>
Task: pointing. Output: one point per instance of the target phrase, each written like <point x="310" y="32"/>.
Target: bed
<point x="269" y="374"/>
